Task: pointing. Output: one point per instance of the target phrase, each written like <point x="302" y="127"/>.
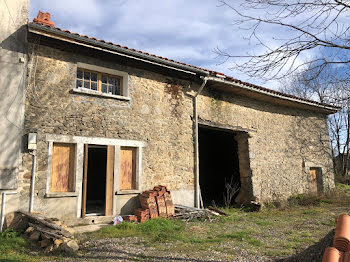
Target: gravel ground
<point x="134" y="249"/>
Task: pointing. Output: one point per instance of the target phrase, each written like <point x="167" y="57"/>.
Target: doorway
<point x="218" y="165"/>
<point x="98" y="181"/>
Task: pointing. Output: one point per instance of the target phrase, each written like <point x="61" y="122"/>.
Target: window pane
<point x="117" y="91"/>
<point x="117" y="86"/>
<point x="104" y="79"/>
<point x="93" y="77"/>
<point x="110" y="81"/>
<point x="104" y="88"/>
<point x="79" y="83"/>
<point x="93" y="85"/>
<point x="79" y="74"/>
<point x="87" y="75"/>
<point x="87" y="85"/>
<point x="110" y="89"/>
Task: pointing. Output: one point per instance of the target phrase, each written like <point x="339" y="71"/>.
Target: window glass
<point x="94" y="77"/>
<point x="94" y="85"/>
<point x="79" y="74"/>
<point x="104" y="88"/>
<point x="98" y="82"/>
<point x="104" y="79"/>
<point x="86" y="75"/>
<point x="79" y="83"/>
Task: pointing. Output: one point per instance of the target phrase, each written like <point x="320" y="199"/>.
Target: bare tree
<point x="232" y="189"/>
<point x="330" y="86"/>
<point x="318" y="25"/>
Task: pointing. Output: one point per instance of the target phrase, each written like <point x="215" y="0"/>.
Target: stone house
<point x="111" y="121"/>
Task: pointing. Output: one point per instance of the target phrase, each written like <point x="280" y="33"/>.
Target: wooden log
<point x="49" y="233"/>
<point x="46" y="222"/>
<point x="217" y="210"/>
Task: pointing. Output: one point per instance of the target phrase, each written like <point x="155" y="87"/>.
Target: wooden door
<point x="109" y="181"/>
<point x="313" y="180"/>
<point x="127" y="168"/>
<point x="86" y="158"/>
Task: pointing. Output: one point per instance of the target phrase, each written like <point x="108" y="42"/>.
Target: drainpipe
<point x="3" y="198"/>
<point x="196" y="143"/>
<point x="32" y="182"/>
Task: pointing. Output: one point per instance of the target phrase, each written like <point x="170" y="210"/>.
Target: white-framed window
<point x="96" y="80"/>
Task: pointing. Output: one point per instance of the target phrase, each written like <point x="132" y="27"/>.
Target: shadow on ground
<point x="312" y="253"/>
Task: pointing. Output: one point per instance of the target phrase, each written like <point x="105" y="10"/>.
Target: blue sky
<point x="186" y="31"/>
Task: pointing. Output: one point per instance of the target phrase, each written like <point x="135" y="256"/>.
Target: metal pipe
<point x="196" y="142"/>
<point x="32" y="183"/>
<point x="3" y="198"/>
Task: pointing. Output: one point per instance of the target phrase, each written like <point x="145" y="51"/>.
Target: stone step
<point x="89" y="220"/>
<point x="88" y="228"/>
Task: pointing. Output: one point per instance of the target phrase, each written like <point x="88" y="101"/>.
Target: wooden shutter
<point x="62" y="167"/>
<point x="127" y="168"/>
<point x="109" y="181"/>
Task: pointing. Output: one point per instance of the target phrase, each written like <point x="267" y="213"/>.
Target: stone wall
<point x="159" y="113"/>
<point x="283" y="143"/>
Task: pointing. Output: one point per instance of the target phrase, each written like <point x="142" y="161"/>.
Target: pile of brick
<point x="155" y="203"/>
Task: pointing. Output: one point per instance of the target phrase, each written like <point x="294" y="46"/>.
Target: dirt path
<point x="134" y="249"/>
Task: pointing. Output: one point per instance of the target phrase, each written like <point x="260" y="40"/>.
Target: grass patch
<point x="14" y="248"/>
<point x="277" y="230"/>
<point x="158" y="230"/>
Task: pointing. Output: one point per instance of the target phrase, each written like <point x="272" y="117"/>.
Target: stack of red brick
<point x="155" y="203"/>
<point x="341" y="242"/>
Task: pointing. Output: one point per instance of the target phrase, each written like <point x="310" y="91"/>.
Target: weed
<point x="9" y="233"/>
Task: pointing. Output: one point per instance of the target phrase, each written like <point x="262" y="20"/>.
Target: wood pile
<point x="155" y="203"/>
<point x="49" y="234"/>
<point x="188" y="213"/>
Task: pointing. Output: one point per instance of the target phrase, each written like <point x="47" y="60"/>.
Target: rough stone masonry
<point x="278" y="149"/>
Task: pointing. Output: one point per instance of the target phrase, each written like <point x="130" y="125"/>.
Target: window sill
<point x="97" y="93"/>
<point x="61" y="194"/>
<point x="128" y="192"/>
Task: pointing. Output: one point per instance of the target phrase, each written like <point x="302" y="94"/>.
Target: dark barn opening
<point x="218" y="164"/>
<point x="96" y="180"/>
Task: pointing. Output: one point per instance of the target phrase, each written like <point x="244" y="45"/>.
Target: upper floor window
<point x="101" y="82"/>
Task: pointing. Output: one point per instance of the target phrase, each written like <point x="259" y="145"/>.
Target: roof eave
<point x="321" y="107"/>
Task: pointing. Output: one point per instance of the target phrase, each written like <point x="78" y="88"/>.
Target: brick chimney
<point x="43" y="19"/>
